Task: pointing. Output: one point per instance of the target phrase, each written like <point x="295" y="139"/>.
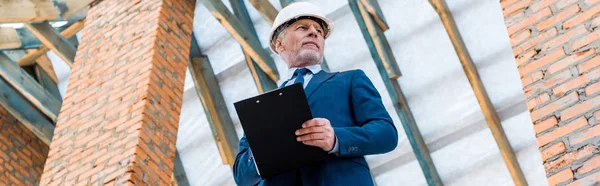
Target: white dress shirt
<point x="314" y="69"/>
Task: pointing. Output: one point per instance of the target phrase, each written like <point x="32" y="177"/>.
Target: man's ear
<point x="279" y="46"/>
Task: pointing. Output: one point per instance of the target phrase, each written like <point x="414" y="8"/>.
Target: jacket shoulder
<point x="352" y="73"/>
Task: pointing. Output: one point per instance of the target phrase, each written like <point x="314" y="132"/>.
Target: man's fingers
<point x="316" y="143"/>
<point x="312" y="136"/>
<point x="309" y="130"/>
<point x="314" y="122"/>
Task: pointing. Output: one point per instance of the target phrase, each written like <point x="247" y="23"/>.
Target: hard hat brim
<point x="328" y="23"/>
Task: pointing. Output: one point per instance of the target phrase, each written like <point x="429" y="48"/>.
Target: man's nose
<point x="312" y="31"/>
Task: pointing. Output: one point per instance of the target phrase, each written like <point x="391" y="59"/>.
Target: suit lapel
<point x="316" y="81"/>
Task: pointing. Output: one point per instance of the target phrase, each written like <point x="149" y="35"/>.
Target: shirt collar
<point x="314" y="69"/>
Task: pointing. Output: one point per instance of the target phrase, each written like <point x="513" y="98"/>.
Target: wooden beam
<point x="28" y="40"/>
<point x="400" y="104"/>
<point x="74" y="41"/>
<point x="374" y="10"/>
<point x="266" y="9"/>
<point x="25" y="38"/>
<point x="9" y="38"/>
<point x="69" y="32"/>
<point x="285" y="3"/>
<point x="43" y="10"/>
<point x="47" y="82"/>
<point x="179" y="178"/>
<point x="29" y="88"/>
<point x="487" y="107"/>
<point x="411" y="130"/>
<point x="207" y="87"/>
<point x="26" y="113"/>
<point x="44" y="64"/>
<point x="262" y="81"/>
<point x="379" y="46"/>
<point x="27" y="10"/>
<point x="53" y="40"/>
<point x="31" y="58"/>
<point x="14" y="54"/>
<point x="209" y="92"/>
<point x="68" y="8"/>
<point x="242" y="35"/>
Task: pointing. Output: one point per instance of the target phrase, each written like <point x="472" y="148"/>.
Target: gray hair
<point x="280" y="32"/>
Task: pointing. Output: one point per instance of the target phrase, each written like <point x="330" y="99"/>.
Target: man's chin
<point x="309" y="49"/>
<point x="309" y="56"/>
<point x="309" y="52"/>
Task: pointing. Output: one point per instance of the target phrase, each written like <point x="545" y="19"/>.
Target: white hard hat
<point x="297" y="11"/>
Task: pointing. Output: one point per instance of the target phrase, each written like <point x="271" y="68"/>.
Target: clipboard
<point x="269" y="121"/>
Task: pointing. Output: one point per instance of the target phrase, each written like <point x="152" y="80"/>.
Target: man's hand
<point x="317" y="132"/>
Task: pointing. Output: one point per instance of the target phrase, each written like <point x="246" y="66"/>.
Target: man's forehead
<point x="306" y="21"/>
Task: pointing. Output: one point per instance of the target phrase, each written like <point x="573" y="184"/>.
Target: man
<point x="350" y="120"/>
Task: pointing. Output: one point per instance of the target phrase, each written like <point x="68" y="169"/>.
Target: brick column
<point x="22" y="154"/>
<point x="556" y="46"/>
<point x="119" y="119"/>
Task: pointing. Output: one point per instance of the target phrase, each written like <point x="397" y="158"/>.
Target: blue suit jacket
<point x="362" y="126"/>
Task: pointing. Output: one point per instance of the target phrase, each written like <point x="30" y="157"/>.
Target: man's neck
<point x="302" y="65"/>
<point x="314" y="69"/>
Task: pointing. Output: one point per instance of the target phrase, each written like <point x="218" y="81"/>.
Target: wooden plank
<point x="43" y="10"/>
<point x="69" y="32"/>
<point x="285" y="3"/>
<point x="30" y="58"/>
<point x="68" y="8"/>
<point x="266" y="9"/>
<point x="209" y="92"/>
<point x="208" y="89"/>
<point x="26" y="38"/>
<point x="380" y="45"/>
<point x="262" y="81"/>
<point x="374" y="10"/>
<point x="179" y="178"/>
<point x="400" y="104"/>
<point x="74" y="41"/>
<point x="250" y="45"/>
<point x="44" y="64"/>
<point x="9" y="38"/>
<point x="14" y="54"/>
<point x="53" y="40"/>
<point x="25" y="113"/>
<point x="45" y="80"/>
<point x="487" y="107"/>
<point x="27" y="10"/>
<point x="29" y="88"/>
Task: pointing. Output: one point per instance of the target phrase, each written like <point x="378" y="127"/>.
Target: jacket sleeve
<point x="244" y="169"/>
<point x="374" y="131"/>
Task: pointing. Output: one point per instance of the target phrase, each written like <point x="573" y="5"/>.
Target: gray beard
<point x="303" y="58"/>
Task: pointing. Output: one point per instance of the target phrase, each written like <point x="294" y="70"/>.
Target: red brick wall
<point x="556" y="46"/>
<point x="22" y="154"/>
<point x="119" y="118"/>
